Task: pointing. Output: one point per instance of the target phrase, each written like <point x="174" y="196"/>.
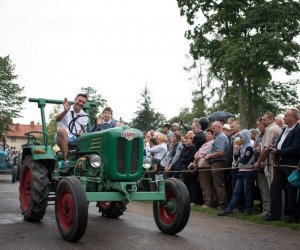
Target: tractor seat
<point x="72" y="145"/>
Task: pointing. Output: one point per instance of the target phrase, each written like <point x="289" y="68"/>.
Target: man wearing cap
<point x="226" y="130"/>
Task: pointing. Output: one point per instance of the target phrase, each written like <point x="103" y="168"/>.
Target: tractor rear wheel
<point x="33" y="189"/>
<point x="112" y="209"/>
<point x="172" y="215"/>
<point x="19" y="164"/>
<point x="71" y="209"/>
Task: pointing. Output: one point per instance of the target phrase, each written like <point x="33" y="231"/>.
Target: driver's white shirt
<point x="64" y="122"/>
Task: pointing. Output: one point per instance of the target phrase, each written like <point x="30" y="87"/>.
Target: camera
<point x="192" y="167"/>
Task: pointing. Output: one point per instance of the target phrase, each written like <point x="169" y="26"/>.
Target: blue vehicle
<point x="7" y="165"/>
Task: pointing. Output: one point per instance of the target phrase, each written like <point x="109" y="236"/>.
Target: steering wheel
<point x="83" y="128"/>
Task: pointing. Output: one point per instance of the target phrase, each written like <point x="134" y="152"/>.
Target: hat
<point x="203" y="121"/>
<point x="226" y="126"/>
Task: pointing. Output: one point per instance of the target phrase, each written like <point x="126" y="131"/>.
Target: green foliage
<point x="146" y="118"/>
<point x="95" y="98"/>
<point x="185" y="117"/>
<point x="52" y="126"/>
<point x="243" y="41"/>
<point x="10" y="95"/>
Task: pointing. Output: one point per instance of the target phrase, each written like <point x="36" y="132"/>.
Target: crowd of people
<point x="226" y="167"/>
<point x="222" y="166"/>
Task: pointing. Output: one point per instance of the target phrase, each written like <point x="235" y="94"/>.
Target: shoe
<point x="269" y="218"/>
<point x="264" y="214"/>
<point x="224" y="212"/>
<point x="222" y="207"/>
<point x="246" y="212"/>
<point x="64" y="167"/>
<point x="292" y="220"/>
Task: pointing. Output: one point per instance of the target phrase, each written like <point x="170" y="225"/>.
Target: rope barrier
<point x="210" y="169"/>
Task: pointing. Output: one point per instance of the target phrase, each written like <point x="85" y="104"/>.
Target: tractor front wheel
<point x="71" y="209"/>
<point x="33" y="189"/>
<point x="172" y="215"/>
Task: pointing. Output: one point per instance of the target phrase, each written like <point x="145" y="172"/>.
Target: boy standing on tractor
<point x="64" y="136"/>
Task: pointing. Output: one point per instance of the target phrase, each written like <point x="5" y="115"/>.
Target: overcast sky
<point x="115" y="47"/>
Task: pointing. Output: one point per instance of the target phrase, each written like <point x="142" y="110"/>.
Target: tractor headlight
<point x="95" y="161"/>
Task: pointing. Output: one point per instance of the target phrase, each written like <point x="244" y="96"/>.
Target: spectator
<point x="189" y="178"/>
<point x="199" y="137"/>
<point x="262" y="165"/>
<point x="286" y="152"/>
<point x="175" y="156"/>
<point x="175" y="127"/>
<point x="279" y="120"/>
<point x="205" y="176"/>
<point x="235" y="128"/>
<point x="245" y="159"/>
<point x="260" y="173"/>
<point x="159" y="152"/>
<point x="217" y="160"/>
<point x="167" y="131"/>
<point x="230" y="120"/>
<point x="226" y="130"/>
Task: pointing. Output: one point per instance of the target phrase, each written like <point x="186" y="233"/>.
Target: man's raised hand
<point x="67" y="105"/>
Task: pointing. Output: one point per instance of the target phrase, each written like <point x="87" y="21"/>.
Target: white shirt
<point x="65" y="121"/>
<point x="284" y="135"/>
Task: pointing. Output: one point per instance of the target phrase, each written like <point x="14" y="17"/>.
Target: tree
<point x="244" y="40"/>
<point x="146" y="118"/>
<point x="95" y="98"/>
<point x="10" y="95"/>
<point x="199" y="96"/>
<point x="52" y="126"/>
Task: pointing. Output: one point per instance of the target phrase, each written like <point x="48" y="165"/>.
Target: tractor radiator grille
<point x="134" y="156"/>
<point x="121" y="155"/>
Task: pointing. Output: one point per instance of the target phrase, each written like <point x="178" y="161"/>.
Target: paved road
<point x="136" y="229"/>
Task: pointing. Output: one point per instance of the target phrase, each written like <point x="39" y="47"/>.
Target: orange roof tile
<point x="18" y="130"/>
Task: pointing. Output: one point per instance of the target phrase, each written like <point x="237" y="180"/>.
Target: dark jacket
<point x="187" y="155"/>
<point x="289" y="154"/>
<point x="104" y="126"/>
<point x="199" y="140"/>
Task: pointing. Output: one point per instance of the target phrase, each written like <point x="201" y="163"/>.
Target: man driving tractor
<point x="66" y="135"/>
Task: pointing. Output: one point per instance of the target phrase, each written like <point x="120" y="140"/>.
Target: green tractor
<point x="107" y="168"/>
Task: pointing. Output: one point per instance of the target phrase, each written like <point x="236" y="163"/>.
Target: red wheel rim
<point x="164" y="212"/>
<point x="105" y="204"/>
<point x="66" y="210"/>
<point x="26" y="188"/>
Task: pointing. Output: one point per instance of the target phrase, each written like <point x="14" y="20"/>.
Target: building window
<point x="13" y="139"/>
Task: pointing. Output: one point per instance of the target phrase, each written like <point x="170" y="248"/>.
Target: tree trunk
<point x="242" y="102"/>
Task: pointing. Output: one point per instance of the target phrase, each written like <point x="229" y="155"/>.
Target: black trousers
<point x="278" y="184"/>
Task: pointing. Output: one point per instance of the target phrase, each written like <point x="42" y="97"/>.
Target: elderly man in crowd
<point x="217" y="160"/>
<point x="264" y="162"/>
<point x="286" y="152"/>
